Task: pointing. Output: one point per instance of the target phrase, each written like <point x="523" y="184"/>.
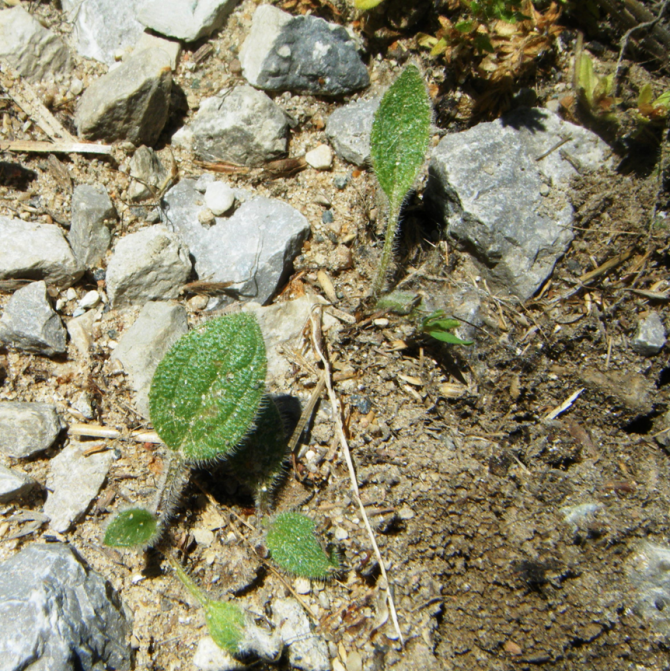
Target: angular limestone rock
<point x="27" y="428"/>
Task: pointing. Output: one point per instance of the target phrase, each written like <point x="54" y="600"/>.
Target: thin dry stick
<point x="316" y="331"/>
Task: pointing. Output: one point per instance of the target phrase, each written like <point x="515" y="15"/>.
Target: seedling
<point x="437" y="326"/>
<point x="398" y="144"/>
<point x="207" y="402"/>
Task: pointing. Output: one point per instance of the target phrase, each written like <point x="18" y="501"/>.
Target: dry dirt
<point x="463" y="475"/>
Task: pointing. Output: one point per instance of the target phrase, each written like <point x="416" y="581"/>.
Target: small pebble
<point x="341" y="182"/>
<point x="235" y="67"/>
<point x="219" y="198"/>
<point x="320" y="199"/>
<point x="327" y="217"/>
<point x="405" y="513"/>
<point x="206" y="217"/>
<point x="341" y="534"/>
<point x="71" y="295"/>
<point x="198" y="302"/>
<point x="320" y="158"/>
<point x="78" y="312"/>
<point x="302" y="585"/>
<point x="90" y="300"/>
<point x="362" y="403"/>
<point x="382" y="322"/>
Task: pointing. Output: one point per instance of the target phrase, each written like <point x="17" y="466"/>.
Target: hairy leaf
<point x="400" y="134"/>
<point x="136" y="527"/>
<point x="293" y="545"/>
<point x="226" y="624"/>
<point x="206" y="391"/>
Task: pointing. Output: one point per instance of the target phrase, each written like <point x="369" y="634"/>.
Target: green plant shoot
<point x="294" y="546"/>
<point x="207" y="389"/>
<point x="364" y="5"/>
<point x="398" y="144"/>
<point x="436" y="326"/>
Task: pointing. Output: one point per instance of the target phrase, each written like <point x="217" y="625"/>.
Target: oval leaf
<point x="225" y="622"/>
<point x="206" y="391"/>
<point x="136" y="527"/>
<point x="400" y="134"/>
<point x="293" y="545"/>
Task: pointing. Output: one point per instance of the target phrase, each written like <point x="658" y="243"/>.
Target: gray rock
<point x="486" y="184"/>
<point x="253" y="249"/>
<point x="185" y="21"/>
<point x="73" y="481"/>
<point x="303" y="54"/>
<point x="37" y="252"/>
<point x="27" y="428"/>
<point x="170" y="47"/>
<point x="58" y="614"/>
<point x="147" y="265"/>
<point x="129" y="103"/>
<point x="306" y="649"/>
<point x="145" y="343"/>
<point x="210" y="657"/>
<point x="348" y="129"/>
<point x="31" y="49"/>
<point x="14" y="485"/>
<point x="147" y="167"/>
<point x="81" y="330"/>
<point x="104" y="29"/>
<point x="650" y="336"/>
<point x="89" y="237"/>
<point x="240" y="125"/>
<point x="649" y="572"/>
<point x="29" y="322"/>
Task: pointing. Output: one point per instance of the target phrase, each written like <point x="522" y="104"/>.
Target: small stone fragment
<point x="650" y="336"/>
<point x="29" y="323"/>
<point x="170" y="47"/>
<point x="130" y="102"/>
<point x="56" y="610"/>
<point x="148" y="265"/>
<point x="74" y="480"/>
<point x="302" y="585"/>
<point x="145" y="343"/>
<point x="304" y="54"/>
<point x="150" y="172"/>
<point x="35" y="52"/>
<point x="103" y="29"/>
<point x="80" y="330"/>
<point x="187" y="21"/>
<point x="307" y="650"/>
<point x="219" y="198"/>
<point x="90" y="299"/>
<point x="89" y="237"/>
<point x="36" y="251"/>
<point x="320" y="158"/>
<point x="14" y="485"/>
<point x="348" y="129"/>
<point x="240" y="125"/>
<point x="210" y="657"/>
<point x="27" y="428"/>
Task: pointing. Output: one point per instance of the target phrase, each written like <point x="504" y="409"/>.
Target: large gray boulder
<point x="26" y="429"/>
<point x="304" y="54"/>
<point x="103" y="29"/>
<point x="252" y="250"/>
<point x="503" y="195"/>
<point x="36" y="252"/>
<point x="240" y="125"/>
<point x="59" y="615"/>
<point x="129" y="103"/>
<point x="187" y="21"/>
<point x="148" y="265"/>
<point x="29" y="323"/>
<point x="141" y="348"/>
<point x="31" y="49"/>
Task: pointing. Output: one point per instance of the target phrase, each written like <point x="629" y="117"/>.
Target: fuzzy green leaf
<point x="447" y="337"/>
<point x="294" y="546"/>
<point x="225" y="622"/>
<point x="206" y="391"/>
<point x="136" y="527"/>
<point x="399" y="302"/>
<point x="400" y="134"/>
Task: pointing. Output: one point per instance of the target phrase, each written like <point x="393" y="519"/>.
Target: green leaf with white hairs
<point x="207" y="389"/>
<point x="226" y="624"/>
<point x="292" y="542"/>
<point x="133" y="528"/>
<point x="400" y="135"/>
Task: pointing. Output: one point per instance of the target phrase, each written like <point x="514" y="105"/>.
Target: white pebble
<point x="341" y="534"/>
<point x="71" y="294"/>
<point x="90" y="300"/>
<point x="302" y="585"/>
<point x="219" y="198"/>
<point x="382" y="322"/>
<point x="320" y="158"/>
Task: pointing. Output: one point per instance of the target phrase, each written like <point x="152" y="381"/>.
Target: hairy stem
<point x="175" y="478"/>
<point x="387" y="251"/>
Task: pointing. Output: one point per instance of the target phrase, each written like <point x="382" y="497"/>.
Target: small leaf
<point x="645" y="95"/>
<point x="586" y="79"/>
<point x="399" y="302"/>
<point x="400" y="134"/>
<point x="366" y="4"/>
<point x="136" y="527"/>
<point x="447" y="337"/>
<point x="226" y="624"/>
<point x="207" y="389"/>
<point x="465" y="26"/>
<point x="293" y="545"/>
